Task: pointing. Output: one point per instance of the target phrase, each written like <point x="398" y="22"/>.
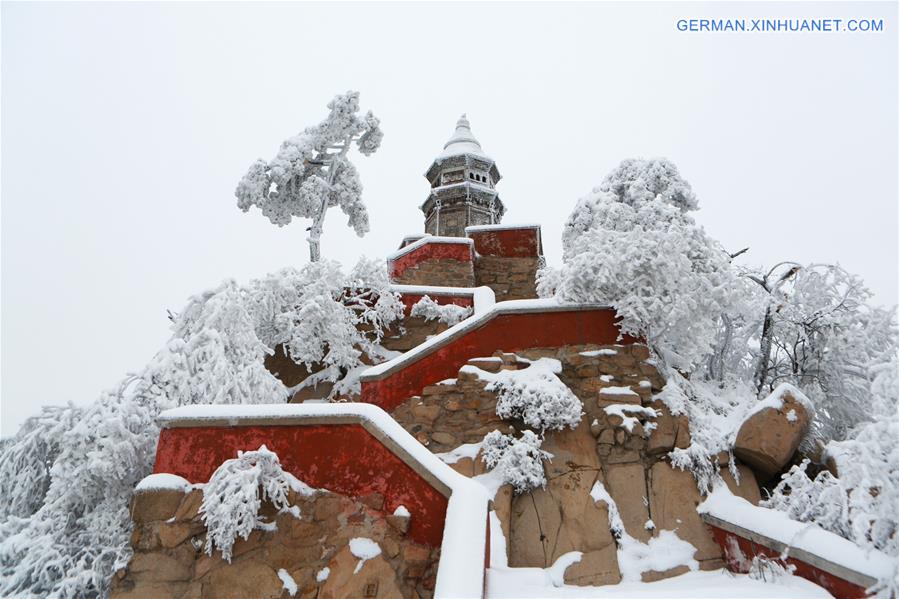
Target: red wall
<point x="839" y="588"/>
<point x="508" y="243"/>
<point x="430" y="251"/>
<point x="410" y="299"/>
<point x="344" y="458"/>
<point x="507" y="332"/>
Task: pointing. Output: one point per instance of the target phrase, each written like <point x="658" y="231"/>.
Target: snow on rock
<point x="622" y="411"/>
<point x="619" y="391"/>
<point x="663" y="552"/>
<point x="599" y="352"/>
<point x="290" y="585"/>
<point x="772" y="430"/>
<point x="723" y="504"/>
<point x="322" y="575"/>
<point x="402" y="512"/>
<point x="468" y="450"/>
<point x="163" y="481"/>
<point x="555" y="574"/>
<point x="364" y="549"/>
<point x="448" y="313"/>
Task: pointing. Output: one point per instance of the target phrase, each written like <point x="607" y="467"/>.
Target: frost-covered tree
<point x="821" y="333"/>
<point x="535" y="396"/>
<point x="312" y="172"/>
<point x="67" y="477"/>
<point x="632" y="244"/>
<point x="450" y="314"/>
<point x="519" y="461"/>
<point x="234" y="494"/>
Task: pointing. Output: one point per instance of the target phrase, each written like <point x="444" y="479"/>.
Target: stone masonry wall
<point x="440" y="272"/>
<point x="170" y="562"/>
<point x="628" y="458"/>
<point x="510" y="278"/>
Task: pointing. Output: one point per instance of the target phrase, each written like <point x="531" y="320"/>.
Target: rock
<point x="464" y="466"/>
<point x="190" y="505"/>
<point x="399" y="523"/>
<point x="748" y="488"/>
<point x="596" y="568"/>
<point x="376" y="578"/>
<point x="626" y="483"/>
<point x="444" y="438"/>
<point x="654" y="575"/>
<point x="252" y="579"/>
<point x="159" y="567"/>
<point x="489" y="364"/>
<point x="546" y="523"/>
<point x="683" y="432"/>
<point x="150" y="590"/>
<point x="768" y="438"/>
<point x="155" y="504"/>
<point x="673" y="497"/>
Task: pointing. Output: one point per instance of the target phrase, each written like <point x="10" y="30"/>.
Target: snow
<point x="622" y="411"/>
<point x="365" y="549"/>
<point x="483" y="296"/>
<point x="599" y="352"/>
<point x="775" y="400"/>
<point x="290" y="585"/>
<point x="163" y="481"/>
<point x="618" y="391"/>
<point x="428" y="240"/>
<point x="508" y="227"/>
<point x="661" y="553"/>
<point x="555" y="574"/>
<point x="463" y="548"/>
<point x="402" y="512"/>
<point x="531" y="583"/>
<point x="468" y="450"/>
<point x="498" y="556"/>
<point x="791" y="416"/>
<point x="469" y="324"/>
<point x="449" y="314"/>
<point x="322" y="575"/>
<point x="722" y="504"/>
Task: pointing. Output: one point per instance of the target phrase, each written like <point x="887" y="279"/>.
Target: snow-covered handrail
<point x="461" y="568"/>
<point x="804" y="542"/>
<point x="509" y="227"/>
<point x="433" y="344"/>
<point x="428" y="239"/>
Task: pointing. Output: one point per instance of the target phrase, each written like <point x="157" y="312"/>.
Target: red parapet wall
<point x="510" y="332"/>
<point x="739" y="561"/>
<point x="521" y="242"/>
<point x="424" y="251"/>
<point x="343" y="458"/>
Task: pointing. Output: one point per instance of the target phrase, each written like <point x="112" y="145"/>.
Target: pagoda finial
<point x="463" y="122"/>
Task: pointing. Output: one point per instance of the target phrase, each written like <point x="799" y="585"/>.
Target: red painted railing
<point x="740" y="546"/>
<point x="505" y="241"/>
<point x="343" y="458"/>
<point x="509" y="326"/>
<point x="426" y="249"/>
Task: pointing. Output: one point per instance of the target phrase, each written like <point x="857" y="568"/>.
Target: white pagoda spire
<point x="463" y="140"/>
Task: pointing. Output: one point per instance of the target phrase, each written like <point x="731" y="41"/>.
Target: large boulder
<point x="770" y="434"/>
<point x="376" y="578"/>
<point x="547" y="523"/>
<point x="673" y="498"/>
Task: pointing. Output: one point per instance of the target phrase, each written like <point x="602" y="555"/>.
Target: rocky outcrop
<point x="621" y="443"/>
<point x="309" y="545"/>
<point x="769" y="437"/>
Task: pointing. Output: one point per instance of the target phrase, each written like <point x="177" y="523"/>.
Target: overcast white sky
<point x="125" y="128"/>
